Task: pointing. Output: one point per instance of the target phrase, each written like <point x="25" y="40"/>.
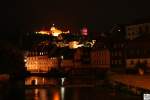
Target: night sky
<point x="27" y="15"/>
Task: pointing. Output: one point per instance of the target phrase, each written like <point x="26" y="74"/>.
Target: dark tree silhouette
<point x="11" y="59"/>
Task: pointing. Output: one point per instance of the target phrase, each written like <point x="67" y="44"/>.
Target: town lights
<point x="43" y="32"/>
<point x="73" y="44"/>
<point x="53" y="31"/>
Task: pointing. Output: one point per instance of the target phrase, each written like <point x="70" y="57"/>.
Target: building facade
<point x="40" y="62"/>
<point x="135" y="30"/>
<point x="67" y="64"/>
<point x="117" y="53"/>
<point x="77" y="57"/>
<point x="138" y="52"/>
<point x="100" y="55"/>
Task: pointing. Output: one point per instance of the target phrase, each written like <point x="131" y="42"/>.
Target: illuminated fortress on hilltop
<point x="53" y="31"/>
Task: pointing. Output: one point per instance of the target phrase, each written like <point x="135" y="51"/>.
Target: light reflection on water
<point x="52" y="93"/>
<point x="40" y="81"/>
<point x="62" y="92"/>
<point x="36" y="94"/>
<point x="44" y="94"/>
<point x="59" y="91"/>
<point x="56" y="95"/>
<point x="15" y="90"/>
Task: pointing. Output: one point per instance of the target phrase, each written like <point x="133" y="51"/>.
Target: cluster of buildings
<point x="40" y="62"/>
<point x="124" y="47"/>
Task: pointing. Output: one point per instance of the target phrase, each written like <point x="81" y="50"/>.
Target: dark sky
<point x="23" y="15"/>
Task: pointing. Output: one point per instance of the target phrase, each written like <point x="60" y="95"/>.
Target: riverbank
<point x="137" y="84"/>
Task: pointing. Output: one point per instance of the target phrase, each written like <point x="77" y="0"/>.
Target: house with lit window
<point x="117" y="43"/>
<point x="67" y="64"/>
<point x="39" y="62"/>
<point x="77" y="57"/>
<point x="117" y="53"/>
<point x="100" y="55"/>
<point x="138" y="52"/>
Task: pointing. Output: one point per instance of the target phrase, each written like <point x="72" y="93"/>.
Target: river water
<point x="41" y="88"/>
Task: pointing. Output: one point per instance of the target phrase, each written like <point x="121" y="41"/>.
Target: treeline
<point x="11" y="58"/>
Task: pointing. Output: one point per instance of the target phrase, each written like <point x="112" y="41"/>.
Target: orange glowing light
<point x="73" y="44"/>
<point x="56" y="96"/>
<point x="43" y="32"/>
<point x="55" y="31"/>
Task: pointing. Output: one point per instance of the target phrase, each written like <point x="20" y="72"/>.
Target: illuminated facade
<point x="138" y="52"/>
<point x="40" y="63"/>
<point x="117" y="53"/>
<point x="72" y="41"/>
<point x="73" y="44"/>
<point x="53" y="31"/>
<point x="100" y="56"/>
<point x="43" y="32"/>
<point x="135" y="30"/>
<point x="77" y="57"/>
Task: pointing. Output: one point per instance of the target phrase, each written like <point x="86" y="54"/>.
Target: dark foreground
<point x="52" y="89"/>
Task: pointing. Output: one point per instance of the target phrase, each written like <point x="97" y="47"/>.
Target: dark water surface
<point x="40" y="88"/>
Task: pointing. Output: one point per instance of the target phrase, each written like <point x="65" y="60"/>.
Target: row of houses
<point x="40" y="62"/>
<point x="124" y="47"/>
